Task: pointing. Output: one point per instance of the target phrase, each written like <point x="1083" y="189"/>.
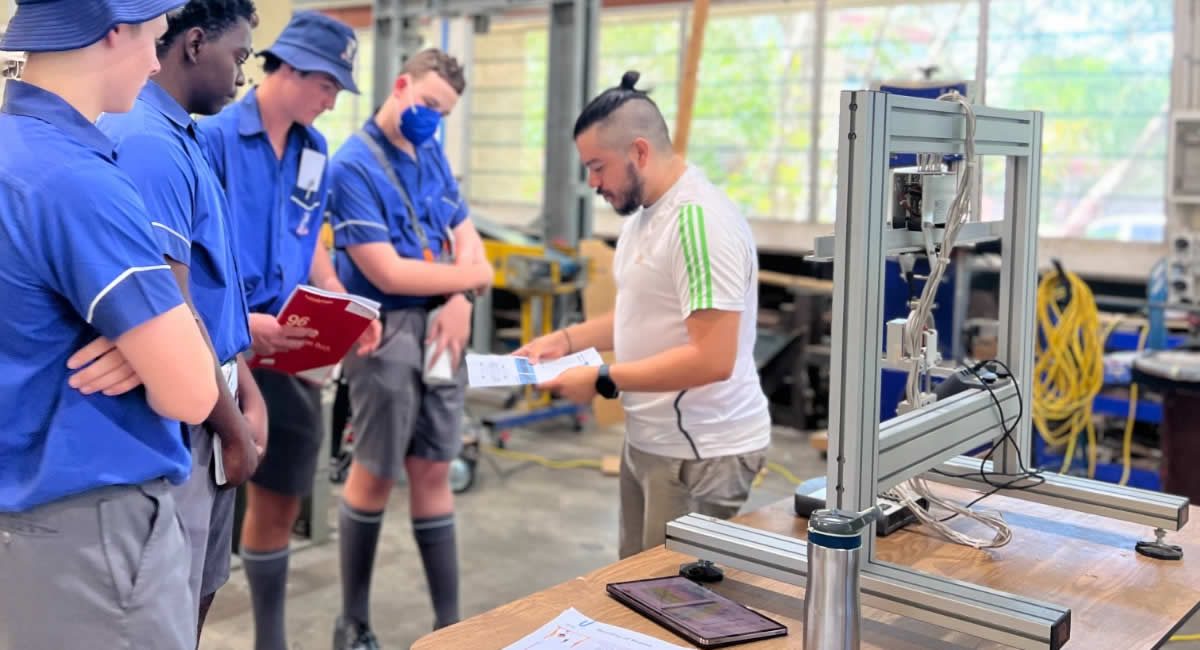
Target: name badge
<point x="308" y="181"/>
<point x="312" y="167"/>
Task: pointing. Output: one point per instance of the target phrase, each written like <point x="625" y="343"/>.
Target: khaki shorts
<point x="656" y="490"/>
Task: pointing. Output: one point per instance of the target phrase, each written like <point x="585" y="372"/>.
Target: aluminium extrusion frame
<point x="866" y="457"/>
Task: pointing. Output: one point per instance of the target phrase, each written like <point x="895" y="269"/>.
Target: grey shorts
<point x="294" y="436"/>
<point x="97" y="570"/>
<point x="394" y="415"/>
<point x="206" y="512"/>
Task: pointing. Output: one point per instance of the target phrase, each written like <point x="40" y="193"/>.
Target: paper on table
<point x="573" y="630"/>
<point x="490" y="370"/>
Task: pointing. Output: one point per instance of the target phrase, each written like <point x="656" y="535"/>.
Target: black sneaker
<point x="352" y="635"/>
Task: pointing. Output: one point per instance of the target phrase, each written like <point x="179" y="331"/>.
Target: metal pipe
<point x="820" y="25"/>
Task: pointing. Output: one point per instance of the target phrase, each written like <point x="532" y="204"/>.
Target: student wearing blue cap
<point x="89" y="536"/>
<point x="409" y="243"/>
<point x="201" y="54"/>
<point x="272" y="164"/>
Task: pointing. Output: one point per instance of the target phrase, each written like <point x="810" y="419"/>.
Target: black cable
<point x="1025" y="474"/>
<point x="679" y="423"/>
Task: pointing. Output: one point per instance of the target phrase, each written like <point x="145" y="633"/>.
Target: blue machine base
<point x="1107" y="472"/>
<point x="520" y="417"/>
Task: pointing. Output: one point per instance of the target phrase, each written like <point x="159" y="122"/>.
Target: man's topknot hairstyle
<point x="607" y="103"/>
<point x="213" y="16"/>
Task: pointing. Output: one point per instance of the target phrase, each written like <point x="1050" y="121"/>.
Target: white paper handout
<point x="574" y="631"/>
<point x="492" y="370"/>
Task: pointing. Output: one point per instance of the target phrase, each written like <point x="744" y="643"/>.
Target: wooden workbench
<point x="1118" y="599"/>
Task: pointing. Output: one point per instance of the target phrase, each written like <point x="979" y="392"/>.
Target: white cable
<point x="909" y="492"/>
<point x="958" y="214"/>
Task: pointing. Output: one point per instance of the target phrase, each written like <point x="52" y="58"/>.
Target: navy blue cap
<point x="63" y="25"/>
<point x="314" y="42"/>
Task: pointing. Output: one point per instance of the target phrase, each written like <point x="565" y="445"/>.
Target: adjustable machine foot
<point x="1159" y="549"/>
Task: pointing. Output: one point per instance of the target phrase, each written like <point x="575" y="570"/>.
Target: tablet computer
<point x="700" y="615"/>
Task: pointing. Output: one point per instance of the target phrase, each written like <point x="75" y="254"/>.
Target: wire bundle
<point x="910" y="491"/>
<point x="960" y="210"/>
<point x="1069" y="371"/>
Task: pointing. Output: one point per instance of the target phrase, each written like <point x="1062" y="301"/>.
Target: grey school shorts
<point x="393" y="413"/>
<point x="97" y="570"/>
<point x="206" y="512"/>
<point x="294" y="433"/>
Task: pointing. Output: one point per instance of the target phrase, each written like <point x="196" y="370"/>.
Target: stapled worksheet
<point x="493" y="370"/>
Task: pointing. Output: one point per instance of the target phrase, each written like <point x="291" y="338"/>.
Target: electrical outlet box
<point x="1183" y="247"/>
<point x="1181" y="283"/>
<point x="1183" y="158"/>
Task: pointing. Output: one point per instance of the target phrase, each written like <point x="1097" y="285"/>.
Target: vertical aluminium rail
<point x="857" y="303"/>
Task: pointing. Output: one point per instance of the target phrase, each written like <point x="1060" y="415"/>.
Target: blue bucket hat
<point x="63" y="25"/>
<point x="314" y="42"/>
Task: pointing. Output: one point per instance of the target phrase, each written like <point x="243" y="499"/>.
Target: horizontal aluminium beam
<point x="897" y="241"/>
<point x="912" y="443"/>
<point x="920" y="126"/>
<point x="958" y="606"/>
<point x="1165" y="511"/>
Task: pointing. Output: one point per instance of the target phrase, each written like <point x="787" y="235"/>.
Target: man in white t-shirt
<point x="686" y="271"/>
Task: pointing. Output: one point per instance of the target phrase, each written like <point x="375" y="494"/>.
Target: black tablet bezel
<point x="774" y="629"/>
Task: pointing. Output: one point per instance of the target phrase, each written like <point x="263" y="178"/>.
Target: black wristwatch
<point x="605" y="386"/>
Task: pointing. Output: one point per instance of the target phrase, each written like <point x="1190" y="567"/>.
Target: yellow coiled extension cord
<point x="1069" y="371"/>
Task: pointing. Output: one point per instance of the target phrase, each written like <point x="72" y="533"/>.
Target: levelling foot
<point x="1159" y="549"/>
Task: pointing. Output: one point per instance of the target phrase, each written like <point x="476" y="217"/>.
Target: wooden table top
<point x="1118" y="599"/>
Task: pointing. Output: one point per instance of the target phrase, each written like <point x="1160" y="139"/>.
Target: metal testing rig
<point x="868" y="458"/>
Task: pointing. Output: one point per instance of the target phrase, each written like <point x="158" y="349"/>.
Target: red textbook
<point x="338" y="318"/>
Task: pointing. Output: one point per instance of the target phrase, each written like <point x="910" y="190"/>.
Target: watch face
<point x="605" y="385"/>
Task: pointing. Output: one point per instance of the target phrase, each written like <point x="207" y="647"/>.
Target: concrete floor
<point x="565" y="518"/>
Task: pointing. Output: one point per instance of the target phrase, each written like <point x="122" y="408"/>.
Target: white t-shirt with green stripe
<point x="692" y="250"/>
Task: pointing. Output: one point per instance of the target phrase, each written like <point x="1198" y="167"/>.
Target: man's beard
<point x="633" y="198"/>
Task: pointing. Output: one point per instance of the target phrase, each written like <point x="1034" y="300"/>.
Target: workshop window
<point x="751" y="126"/>
<point x="508" y="110"/>
<point x="508" y="113"/>
<point x="1100" y="71"/>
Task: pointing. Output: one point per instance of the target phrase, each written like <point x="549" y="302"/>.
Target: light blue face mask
<point x="419" y="123"/>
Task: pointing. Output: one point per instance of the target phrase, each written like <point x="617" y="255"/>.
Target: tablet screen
<point x="701" y="611"/>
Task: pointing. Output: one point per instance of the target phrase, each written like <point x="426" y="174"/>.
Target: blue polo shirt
<point x="80" y="260"/>
<point x="157" y="146"/>
<point x="276" y="220"/>
<point x="365" y="207"/>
